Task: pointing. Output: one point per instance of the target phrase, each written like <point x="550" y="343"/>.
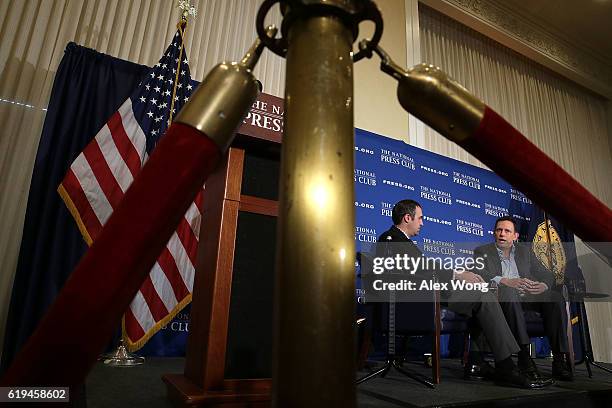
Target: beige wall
<point x="376" y="107"/>
<point x="598" y="313"/>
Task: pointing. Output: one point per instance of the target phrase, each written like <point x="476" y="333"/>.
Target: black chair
<point x="410" y="319"/>
<point x="432" y="319"/>
<point x="454" y="323"/>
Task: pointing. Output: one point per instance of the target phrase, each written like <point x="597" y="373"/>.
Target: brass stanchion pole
<point x="314" y="349"/>
<point x="314" y="362"/>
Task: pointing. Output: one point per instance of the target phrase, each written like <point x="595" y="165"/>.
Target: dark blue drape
<point x="88" y="89"/>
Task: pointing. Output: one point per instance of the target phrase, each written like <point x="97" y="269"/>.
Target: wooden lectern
<point x="229" y="350"/>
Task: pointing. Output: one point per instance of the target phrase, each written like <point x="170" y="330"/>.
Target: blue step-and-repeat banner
<point x="460" y="202"/>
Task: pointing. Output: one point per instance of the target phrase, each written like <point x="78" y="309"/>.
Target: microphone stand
<point x="579" y="294"/>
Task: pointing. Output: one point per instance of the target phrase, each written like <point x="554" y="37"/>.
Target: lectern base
<point x="236" y="393"/>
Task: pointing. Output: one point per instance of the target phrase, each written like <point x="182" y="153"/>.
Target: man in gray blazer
<point x="524" y="284"/>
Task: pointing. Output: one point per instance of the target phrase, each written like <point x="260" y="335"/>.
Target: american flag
<point x="100" y="175"/>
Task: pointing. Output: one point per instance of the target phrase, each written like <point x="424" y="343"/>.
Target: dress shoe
<point x="530" y="370"/>
<point x="478" y="371"/>
<point x="561" y="368"/>
<point x="515" y="378"/>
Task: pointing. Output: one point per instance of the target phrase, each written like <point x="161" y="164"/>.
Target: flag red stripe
<point x="123" y="143"/>
<point x="188" y="239"/>
<point x="109" y="185"/>
<point x="156" y="305"/>
<point x="132" y="327"/>
<point x="88" y="216"/>
<point x="168" y="265"/>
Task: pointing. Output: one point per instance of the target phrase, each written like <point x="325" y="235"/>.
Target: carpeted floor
<point x="142" y="387"/>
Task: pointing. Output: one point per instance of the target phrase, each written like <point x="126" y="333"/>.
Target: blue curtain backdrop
<point x="88" y="89"/>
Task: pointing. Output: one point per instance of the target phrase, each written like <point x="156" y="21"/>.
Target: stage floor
<point x="142" y="387"/>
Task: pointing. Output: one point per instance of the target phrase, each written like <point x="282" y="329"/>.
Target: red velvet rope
<point x="105" y="281"/>
<point x="507" y="152"/>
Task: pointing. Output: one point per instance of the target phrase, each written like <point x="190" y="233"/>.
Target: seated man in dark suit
<point x="407" y="218"/>
<point x="524" y="284"/>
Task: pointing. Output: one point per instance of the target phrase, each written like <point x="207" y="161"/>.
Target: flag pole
<point x="549" y="244"/>
<point x="181" y="25"/>
<point x="121" y="356"/>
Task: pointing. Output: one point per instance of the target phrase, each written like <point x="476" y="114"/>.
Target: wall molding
<point x="534" y="40"/>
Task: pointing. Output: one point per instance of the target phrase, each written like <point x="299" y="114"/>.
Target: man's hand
<point x="519" y="284"/>
<point x="535" y="288"/>
<point x="470" y="277"/>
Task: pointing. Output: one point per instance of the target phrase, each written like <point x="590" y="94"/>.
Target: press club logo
<point x="438" y="247"/>
<point x="466" y="180"/>
<point x="365" y="234"/>
<point x="470" y="227"/>
<point x="386" y="209"/>
<point x="433" y="194"/>
<point x="397" y="159"/>
<point x="265" y="115"/>
<point x="495" y="210"/>
<point x="365" y="177"/>
<point x="520" y="197"/>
